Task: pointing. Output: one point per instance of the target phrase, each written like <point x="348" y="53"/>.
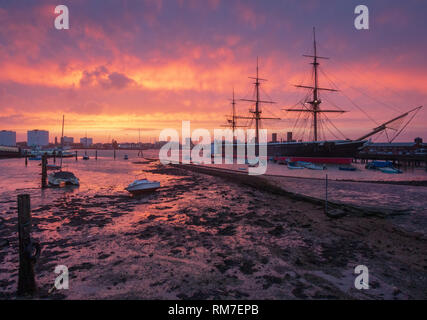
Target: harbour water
<point x="202" y="237"/>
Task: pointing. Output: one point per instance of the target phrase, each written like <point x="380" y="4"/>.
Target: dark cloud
<point x="102" y="77"/>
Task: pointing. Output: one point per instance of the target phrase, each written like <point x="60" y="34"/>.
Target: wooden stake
<point x="44" y="171"/>
<point x="26" y="282"/>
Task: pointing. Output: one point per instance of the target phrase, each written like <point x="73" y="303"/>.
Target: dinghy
<point x="294" y="165"/>
<point x="313" y="166"/>
<point x="142" y="186"/>
<point x="390" y="170"/>
<point x="347" y="168"/>
<point x="61" y="178"/>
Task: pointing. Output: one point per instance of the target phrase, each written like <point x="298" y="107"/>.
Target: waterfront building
<point x="7" y="138"/>
<point x="37" y="138"/>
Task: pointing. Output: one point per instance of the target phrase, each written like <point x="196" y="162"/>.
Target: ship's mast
<point x="62" y="140"/>
<point x="257" y="112"/>
<point x="315" y="103"/>
<point x="233" y="116"/>
<point x="233" y="121"/>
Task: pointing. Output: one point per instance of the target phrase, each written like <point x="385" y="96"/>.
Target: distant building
<point x="396" y="148"/>
<point x="37" y="138"/>
<point x="86" y="142"/>
<point x="274" y="137"/>
<point x="67" y="141"/>
<point x="7" y="138"/>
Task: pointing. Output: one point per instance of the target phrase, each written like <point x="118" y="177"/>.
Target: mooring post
<point x="44" y="170"/>
<point x="76" y="155"/>
<point x="326" y="194"/>
<point x="96" y="154"/>
<point x="54" y="156"/>
<point x="26" y="159"/>
<point x="114" y="153"/>
<point x="26" y="281"/>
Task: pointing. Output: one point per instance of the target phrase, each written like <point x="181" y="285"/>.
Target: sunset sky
<point x="149" y="64"/>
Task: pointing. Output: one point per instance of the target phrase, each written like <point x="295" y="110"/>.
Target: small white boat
<point x="142" y="186"/>
<point x="62" y="178"/>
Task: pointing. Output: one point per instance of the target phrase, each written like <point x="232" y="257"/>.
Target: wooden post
<point x="76" y="155"/>
<point x="114" y="153"/>
<point x="26" y="282"/>
<point x="326" y="194"/>
<point x="96" y="154"/>
<point x="44" y="171"/>
<point x="54" y="156"/>
<point x="26" y="159"/>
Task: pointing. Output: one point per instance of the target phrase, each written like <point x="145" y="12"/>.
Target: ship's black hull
<point x="340" y="152"/>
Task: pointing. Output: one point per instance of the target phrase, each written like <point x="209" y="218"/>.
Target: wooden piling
<point x="76" y="155"/>
<point x="26" y="159"/>
<point x="326" y="194"/>
<point x="114" y="153"/>
<point x="44" y="171"/>
<point x="26" y="282"/>
<point x="96" y="154"/>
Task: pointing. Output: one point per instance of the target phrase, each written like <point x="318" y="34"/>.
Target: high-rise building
<point x="67" y="140"/>
<point x="7" y="138"/>
<point x="274" y="137"/>
<point x="86" y="142"/>
<point x="37" y="138"/>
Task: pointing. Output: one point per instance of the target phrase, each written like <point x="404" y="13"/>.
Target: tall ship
<point x="316" y="150"/>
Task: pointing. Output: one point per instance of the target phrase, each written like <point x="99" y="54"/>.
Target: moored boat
<point x="390" y="170"/>
<point x="313" y="166"/>
<point x="142" y="186"/>
<point x="61" y="178"/>
<point x="294" y="165"/>
<point x="347" y="168"/>
<point x="379" y="164"/>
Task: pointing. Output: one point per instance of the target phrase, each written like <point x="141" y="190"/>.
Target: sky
<point x="126" y="67"/>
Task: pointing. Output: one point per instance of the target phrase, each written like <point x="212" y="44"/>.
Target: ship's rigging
<point x="257" y="111"/>
<point x="232" y="120"/>
<point x="311" y="112"/>
<point x="313" y="106"/>
<point x="320" y="121"/>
